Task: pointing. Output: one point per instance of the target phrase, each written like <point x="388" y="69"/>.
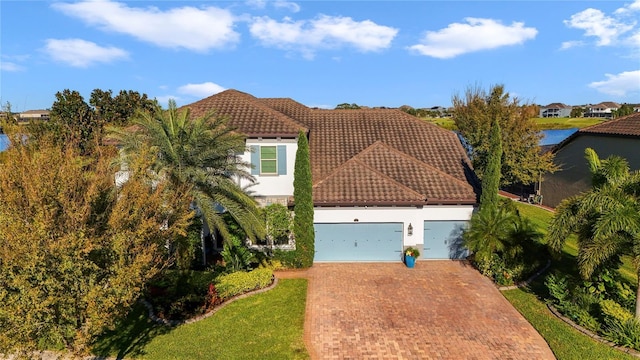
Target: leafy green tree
<point x="75" y="252"/>
<point x="202" y="154"/>
<point x="577" y="112"/>
<point x="473" y="115"/>
<point x="117" y="110"/>
<point x="348" y="106"/>
<point x="624" y="110"/>
<point x="303" y="204"/>
<point x="71" y="120"/>
<point x="491" y="180"/>
<point x="606" y="219"/>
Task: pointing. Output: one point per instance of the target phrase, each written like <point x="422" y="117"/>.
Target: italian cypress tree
<point x="491" y="179"/>
<point x="303" y="207"/>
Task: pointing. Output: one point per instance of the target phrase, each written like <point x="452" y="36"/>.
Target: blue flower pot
<point x="410" y="261"/>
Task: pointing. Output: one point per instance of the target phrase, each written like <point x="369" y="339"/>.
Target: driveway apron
<point x="437" y="310"/>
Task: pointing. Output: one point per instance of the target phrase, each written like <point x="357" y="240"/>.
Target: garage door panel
<point x="443" y="240"/>
<point x="358" y="242"/>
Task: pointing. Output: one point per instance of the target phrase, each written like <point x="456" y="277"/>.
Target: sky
<point x="321" y="53"/>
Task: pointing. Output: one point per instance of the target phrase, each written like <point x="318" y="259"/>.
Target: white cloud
<point x="618" y="29"/>
<point x="628" y="8"/>
<point x="201" y="90"/>
<point x="10" y="66"/>
<point x="595" y="23"/>
<point x="257" y="4"/>
<point x="287" y="5"/>
<point x="323" y="32"/>
<point x="196" y="29"/>
<point x="475" y="35"/>
<point x="82" y="53"/>
<point x="570" y="44"/>
<point x="620" y="84"/>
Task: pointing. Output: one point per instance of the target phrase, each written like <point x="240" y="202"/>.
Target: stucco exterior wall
<point x="273" y="185"/>
<point x="574" y="176"/>
<point x="406" y="215"/>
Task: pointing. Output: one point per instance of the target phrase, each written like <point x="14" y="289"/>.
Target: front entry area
<point x="358" y="241"/>
<point x="443" y="240"/>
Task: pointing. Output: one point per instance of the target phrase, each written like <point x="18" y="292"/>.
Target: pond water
<point x="552" y="137"/>
<point x="4" y="142"/>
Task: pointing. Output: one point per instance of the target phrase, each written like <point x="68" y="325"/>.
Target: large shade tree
<point x="203" y="153"/>
<point x="75" y="251"/>
<point x="476" y="110"/>
<point x="606" y="219"/>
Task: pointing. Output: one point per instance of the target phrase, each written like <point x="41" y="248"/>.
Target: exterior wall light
<point x="409" y="230"/>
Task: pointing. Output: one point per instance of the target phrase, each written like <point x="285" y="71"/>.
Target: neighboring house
<point x="602" y="110"/>
<point x="615" y="137"/>
<point x="555" y="110"/>
<point x="30" y="115"/>
<point x="383" y="180"/>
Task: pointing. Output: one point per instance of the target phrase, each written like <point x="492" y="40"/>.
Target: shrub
<point x="271" y="264"/>
<point x="236" y="256"/>
<point x="240" y="282"/>
<point x="178" y="295"/>
<point x="278" y="224"/>
<point x="612" y="311"/>
<point x="625" y="333"/>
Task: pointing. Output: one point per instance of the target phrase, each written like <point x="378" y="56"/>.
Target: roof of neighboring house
<point x="34" y="113"/>
<point x="606" y="105"/>
<point x="248" y="114"/>
<point x="626" y="126"/>
<point x="556" y="106"/>
<point x="364" y="157"/>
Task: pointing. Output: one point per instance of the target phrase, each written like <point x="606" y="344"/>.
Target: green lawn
<point x="565" y="342"/>
<point x="269" y="325"/>
<point x="543" y="123"/>
<point x="566" y="123"/>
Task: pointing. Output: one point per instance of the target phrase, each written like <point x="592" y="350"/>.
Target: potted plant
<point x="410" y="256"/>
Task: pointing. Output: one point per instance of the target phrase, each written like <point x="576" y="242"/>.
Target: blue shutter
<point x="255" y="160"/>
<point x="282" y="160"/>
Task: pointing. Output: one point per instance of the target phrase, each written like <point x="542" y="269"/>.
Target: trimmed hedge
<point x="241" y="282"/>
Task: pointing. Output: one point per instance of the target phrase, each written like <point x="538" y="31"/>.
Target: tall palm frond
<point x="203" y="152"/>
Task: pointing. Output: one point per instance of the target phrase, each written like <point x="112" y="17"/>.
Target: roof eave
<point x="395" y="203"/>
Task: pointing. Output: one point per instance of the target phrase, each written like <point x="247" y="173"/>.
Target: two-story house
<point x="383" y="180"/>
<point x="555" y="110"/>
<point x="602" y="110"/>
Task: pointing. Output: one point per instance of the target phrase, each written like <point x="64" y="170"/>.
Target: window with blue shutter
<point x="282" y="160"/>
<point x="268" y="160"/>
<point x="255" y="160"/>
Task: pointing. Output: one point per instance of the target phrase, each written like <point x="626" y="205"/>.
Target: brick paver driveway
<point x="437" y="310"/>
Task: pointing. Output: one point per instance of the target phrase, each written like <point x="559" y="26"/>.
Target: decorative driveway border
<point x="437" y="310"/>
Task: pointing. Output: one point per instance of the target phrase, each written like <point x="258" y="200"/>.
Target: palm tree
<point x="606" y="219"/>
<point x="489" y="233"/>
<point x="201" y="153"/>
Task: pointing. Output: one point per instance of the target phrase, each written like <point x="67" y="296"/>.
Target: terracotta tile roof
<point x="338" y="135"/>
<point x="289" y="107"/>
<point x="360" y="157"/>
<point x="434" y="184"/>
<point x="248" y="114"/>
<point x="627" y="125"/>
<point x="355" y="183"/>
